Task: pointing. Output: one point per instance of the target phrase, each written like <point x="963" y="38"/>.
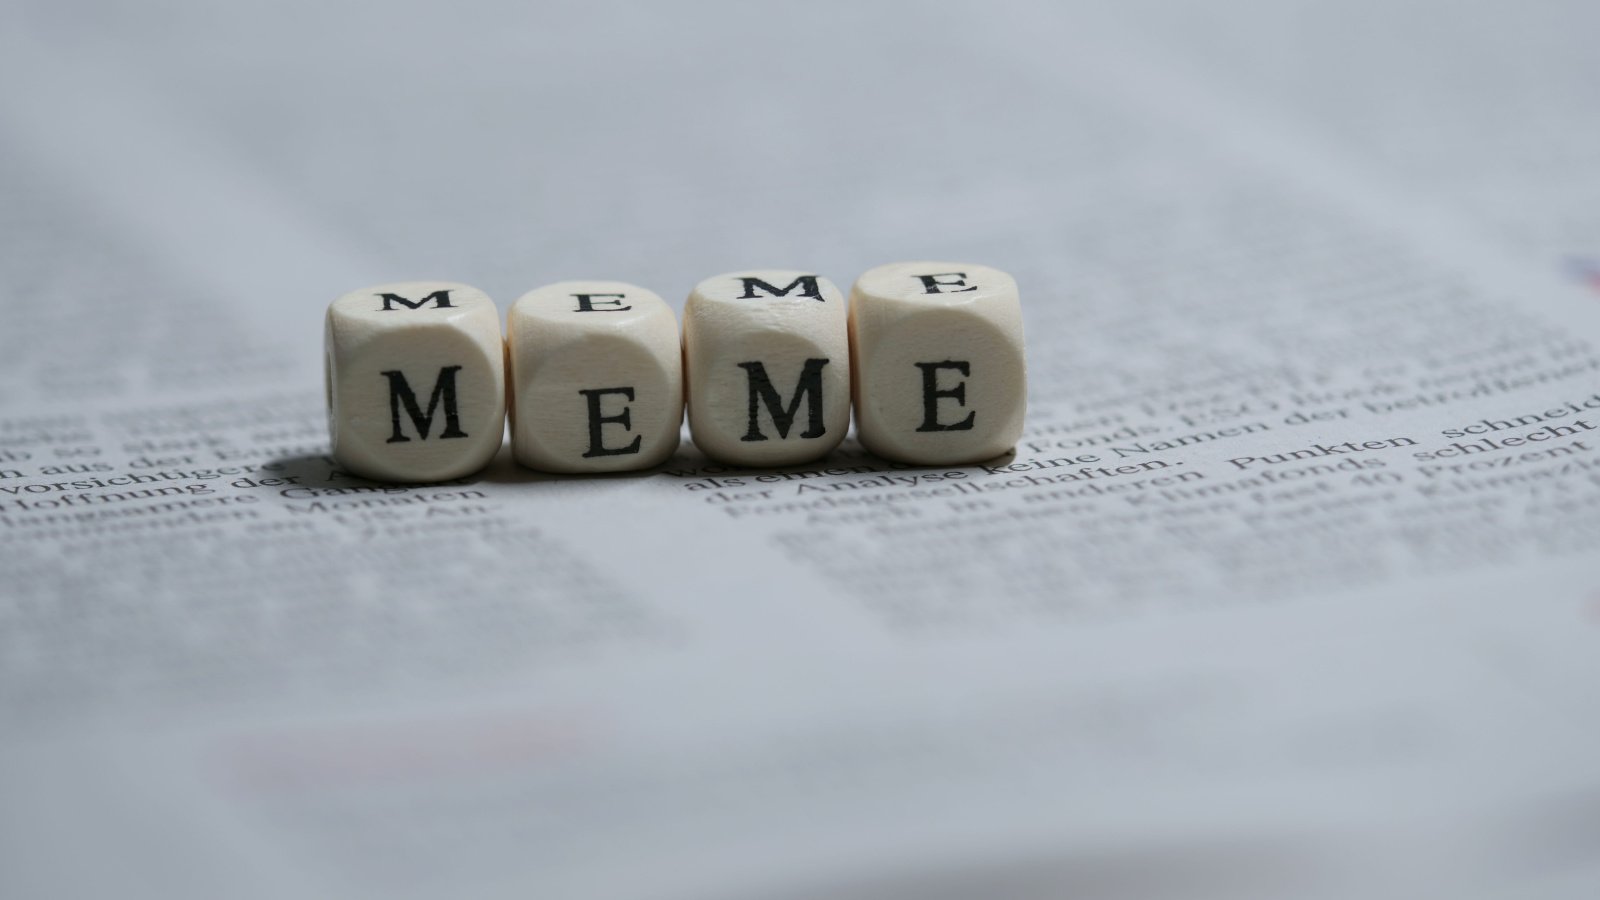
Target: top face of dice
<point x="416" y="383"/>
<point x="767" y="361"/>
<point x="597" y="377"/>
<point x="939" y="365"/>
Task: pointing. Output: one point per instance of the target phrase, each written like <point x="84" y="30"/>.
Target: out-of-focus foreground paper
<point x="1290" y="588"/>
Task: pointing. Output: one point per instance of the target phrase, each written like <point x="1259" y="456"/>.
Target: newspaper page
<point x="1288" y="589"/>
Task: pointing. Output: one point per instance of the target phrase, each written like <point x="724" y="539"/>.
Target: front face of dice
<point x="939" y="369"/>
<point x="416" y="381"/>
<point x="597" y="377"/>
<point x="767" y="360"/>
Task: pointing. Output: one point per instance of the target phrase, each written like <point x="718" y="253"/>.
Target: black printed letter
<point x="441" y="300"/>
<point x="931" y="283"/>
<point x="596" y="445"/>
<point x="761" y="391"/>
<point x="931" y="395"/>
<point x="806" y="283"/>
<point x="400" y="395"/>
<point x="586" y="303"/>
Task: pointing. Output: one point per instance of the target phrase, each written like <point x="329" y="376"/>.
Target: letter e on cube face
<point x="767" y="361"/>
<point x="415" y="381"/>
<point x="596" y="376"/>
<point x="940" y="377"/>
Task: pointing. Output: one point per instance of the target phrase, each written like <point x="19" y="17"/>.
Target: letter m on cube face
<point x="809" y="389"/>
<point x="403" y="399"/>
<point x="805" y="284"/>
<point x="440" y="300"/>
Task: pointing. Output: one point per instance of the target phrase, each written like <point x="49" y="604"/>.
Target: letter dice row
<point x="769" y="364"/>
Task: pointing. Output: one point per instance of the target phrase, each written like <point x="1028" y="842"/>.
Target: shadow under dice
<point x="416" y="381"/>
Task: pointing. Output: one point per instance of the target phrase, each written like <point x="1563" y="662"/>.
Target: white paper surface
<point x="1265" y="604"/>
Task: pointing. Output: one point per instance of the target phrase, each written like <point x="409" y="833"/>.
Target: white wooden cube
<point x="767" y="360"/>
<point x="940" y="376"/>
<point x="596" y="377"/>
<point x="415" y="380"/>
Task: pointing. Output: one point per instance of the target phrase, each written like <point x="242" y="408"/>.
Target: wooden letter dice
<point x="937" y="353"/>
<point x="596" y="377"/>
<point x="766" y="356"/>
<point x="416" y="381"/>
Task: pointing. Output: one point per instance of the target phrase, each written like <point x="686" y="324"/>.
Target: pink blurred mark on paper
<point x="1586" y="269"/>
